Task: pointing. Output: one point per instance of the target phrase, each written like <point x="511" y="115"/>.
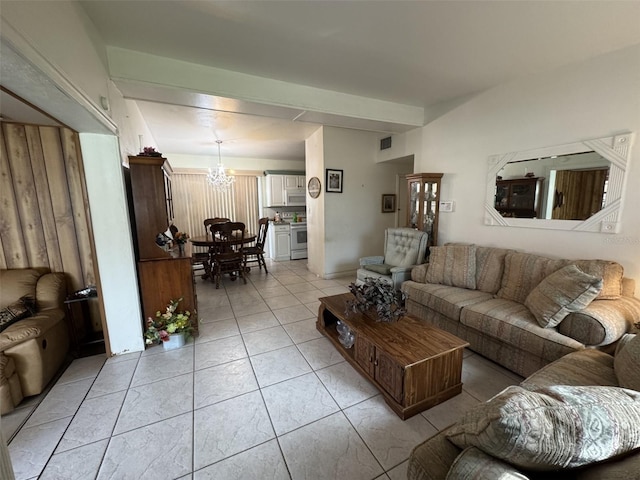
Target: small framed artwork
<point x="333" y="182"/>
<point x="388" y="202"/>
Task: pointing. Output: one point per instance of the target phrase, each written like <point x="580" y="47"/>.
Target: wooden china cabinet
<point x="519" y="197"/>
<point x="423" y="205"/>
<point x="163" y="275"/>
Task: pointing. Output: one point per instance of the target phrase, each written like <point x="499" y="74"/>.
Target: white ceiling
<point x="419" y="53"/>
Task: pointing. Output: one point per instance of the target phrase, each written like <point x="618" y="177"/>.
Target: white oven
<point x="298" y="240"/>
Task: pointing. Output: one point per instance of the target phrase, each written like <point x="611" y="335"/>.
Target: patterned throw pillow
<point x="453" y="265"/>
<point x="22" y="308"/>
<point x="474" y="464"/>
<point x="564" y="291"/>
<point x="553" y="427"/>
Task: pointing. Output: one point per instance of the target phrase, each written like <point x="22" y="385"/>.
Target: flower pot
<point x="181" y="248"/>
<point x="176" y="340"/>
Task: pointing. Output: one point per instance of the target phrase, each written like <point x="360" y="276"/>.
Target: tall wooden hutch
<point x="519" y="197"/>
<point x="423" y="205"/>
<point x="163" y="275"/>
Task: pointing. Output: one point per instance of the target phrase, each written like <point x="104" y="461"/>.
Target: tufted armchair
<point x="404" y="248"/>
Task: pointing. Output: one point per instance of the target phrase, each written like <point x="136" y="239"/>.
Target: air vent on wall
<point x="385" y="143"/>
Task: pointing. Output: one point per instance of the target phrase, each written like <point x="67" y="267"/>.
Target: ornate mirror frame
<point x="616" y="149"/>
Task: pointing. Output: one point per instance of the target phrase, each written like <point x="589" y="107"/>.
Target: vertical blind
<point x="195" y="200"/>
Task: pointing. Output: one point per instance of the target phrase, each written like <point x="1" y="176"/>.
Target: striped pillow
<point x="565" y="291"/>
<point x="453" y="265"/>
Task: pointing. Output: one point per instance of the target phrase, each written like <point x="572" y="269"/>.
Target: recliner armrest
<point x="375" y="260"/>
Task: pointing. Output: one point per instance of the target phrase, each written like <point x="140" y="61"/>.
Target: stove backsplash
<point x="286" y="213"/>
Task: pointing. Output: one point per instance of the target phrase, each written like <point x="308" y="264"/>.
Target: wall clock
<point x="314" y="187"/>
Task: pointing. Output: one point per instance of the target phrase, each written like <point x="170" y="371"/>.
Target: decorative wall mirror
<point x="577" y="186"/>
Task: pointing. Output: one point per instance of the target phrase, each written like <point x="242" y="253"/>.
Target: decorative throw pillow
<point x="564" y="291"/>
<point x="610" y="272"/>
<point x="381" y="268"/>
<point x="474" y="464"/>
<point x="22" y="308"/>
<point x="626" y="363"/>
<point x="554" y="427"/>
<point x="453" y="265"/>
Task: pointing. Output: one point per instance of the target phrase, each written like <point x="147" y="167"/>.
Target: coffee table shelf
<point x="414" y="365"/>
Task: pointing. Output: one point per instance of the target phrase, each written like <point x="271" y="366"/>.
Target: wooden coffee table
<point x="414" y="365"/>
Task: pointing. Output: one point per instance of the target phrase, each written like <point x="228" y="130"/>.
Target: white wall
<point x="594" y="99"/>
<point x="353" y="221"/>
<point x="115" y="257"/>
<point x="314" y="160"/>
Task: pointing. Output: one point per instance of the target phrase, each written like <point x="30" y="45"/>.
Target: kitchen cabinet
<point x="285" y="190"/>
<point x="519" y="198"/>
<point x="295" y="182"/>
<point x="423" y="203"/>
<point x="162" y="275"/>
<point x="280" y="242"/>
<point x="275" y="191"/>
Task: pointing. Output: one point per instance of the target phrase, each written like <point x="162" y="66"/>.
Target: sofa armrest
<point x="375" y="260"/>
<point x="399" y="275"/>
<point x="602" y="322"/>
<point x="51" y="290"/>
<point x="419" y="273"/>
<point x="30" y="327"/>
<point x="432" y="459"/>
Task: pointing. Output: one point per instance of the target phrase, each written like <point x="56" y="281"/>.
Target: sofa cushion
<point x="489" y="268"/>
<point x="453" y="265"/>
<point x="446" y="300"/>
<point x="17" y="283"/>
<point x="610" y="272"/>
<point x="564" y="291"/>
<point x="522" y="272"/>
<point x="512" y="323"/>
<point x="554" y="427"/>
<point x="627" y="362"/>
<point x="474" y="464"/>
<point x="22" y="308"/>
<point x="382" y="269"/>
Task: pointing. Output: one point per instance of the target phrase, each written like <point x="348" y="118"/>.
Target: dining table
<point x="213" y="242"/>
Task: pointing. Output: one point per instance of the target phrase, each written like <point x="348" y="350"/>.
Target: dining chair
<point x="228" y="254"/>
<point x="202" y="258"/>
<point x="255" y="253"/>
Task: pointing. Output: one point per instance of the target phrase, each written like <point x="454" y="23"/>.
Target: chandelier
<point x="217" y="178"/>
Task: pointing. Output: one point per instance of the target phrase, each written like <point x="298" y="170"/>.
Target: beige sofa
<point x="438" y="458"/>
<point x="34" y="348"/>
<point x="485" y="296"/>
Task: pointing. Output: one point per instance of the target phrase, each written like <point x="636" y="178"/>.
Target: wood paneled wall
<point x="44" y="219"/>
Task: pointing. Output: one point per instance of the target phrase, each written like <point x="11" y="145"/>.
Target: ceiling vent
<point x="385" y="143"/>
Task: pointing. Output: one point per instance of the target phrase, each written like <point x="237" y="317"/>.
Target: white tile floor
<point x="259" y="394"/>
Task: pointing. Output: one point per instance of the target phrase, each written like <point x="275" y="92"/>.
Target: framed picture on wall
<point x="333" y="182"/>
<point x="388" y="202"/>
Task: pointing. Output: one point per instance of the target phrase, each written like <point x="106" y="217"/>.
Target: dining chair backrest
<point x="210" y="221"/>
<point x="233" y="230"/>
<point x="263" y="226"/>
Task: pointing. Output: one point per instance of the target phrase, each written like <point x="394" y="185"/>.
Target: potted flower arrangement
<point x="181" y="238"/>
<point x="169" y="328"/>
<point x="377" y="299"/>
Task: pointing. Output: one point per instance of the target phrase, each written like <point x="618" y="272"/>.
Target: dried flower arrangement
<point x="377" y="295"/>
